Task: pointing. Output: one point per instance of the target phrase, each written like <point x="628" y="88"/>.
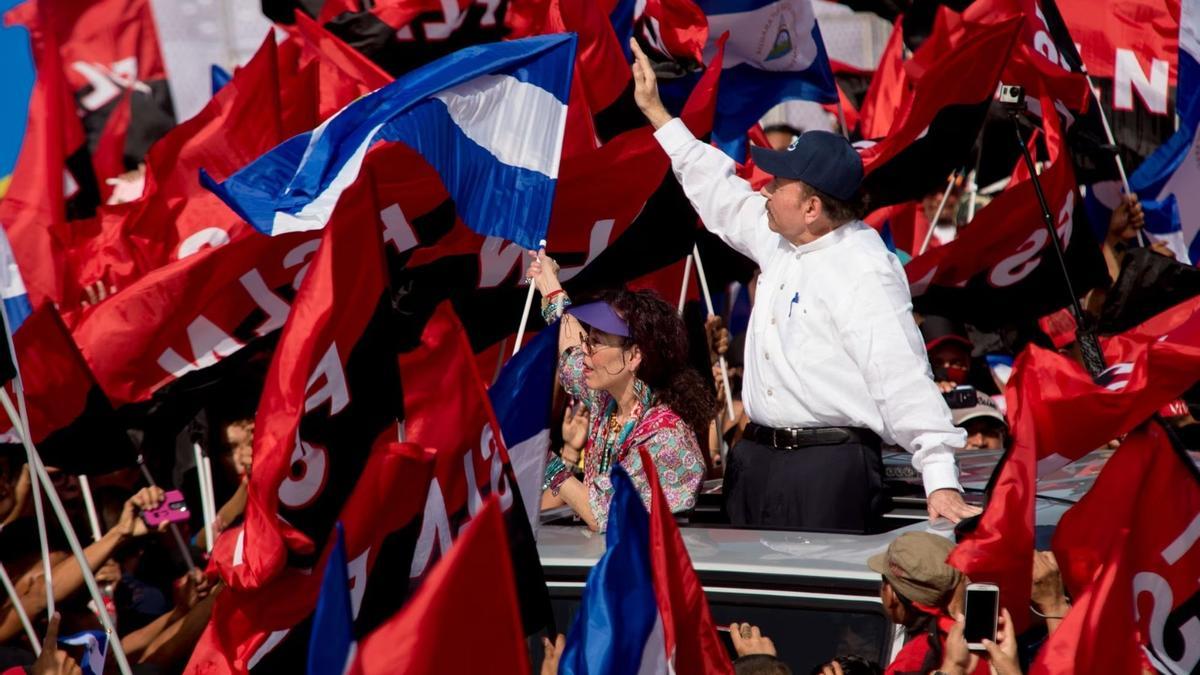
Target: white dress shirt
<point x="832" y="341"/>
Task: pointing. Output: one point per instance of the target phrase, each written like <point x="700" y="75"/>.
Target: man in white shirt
<point x="834" y="362"/>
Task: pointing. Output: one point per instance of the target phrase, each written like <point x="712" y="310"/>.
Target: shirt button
<point x="770" y="392"/>
<point x="781" y="287"/>
<point x="772" y="321"/>
<point x="797" y="256"/>
<point x="767" y="356"/>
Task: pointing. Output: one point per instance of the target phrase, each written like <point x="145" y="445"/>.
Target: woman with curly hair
<point x="624" y="358"/>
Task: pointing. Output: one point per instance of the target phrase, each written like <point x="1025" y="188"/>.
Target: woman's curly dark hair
<point x="661" y="336"/>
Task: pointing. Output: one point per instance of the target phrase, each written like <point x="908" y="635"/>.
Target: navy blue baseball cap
<point x="602" y="316"/>
<point x="822" y="159"/>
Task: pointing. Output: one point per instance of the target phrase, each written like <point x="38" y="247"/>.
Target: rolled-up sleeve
<point x="880" y="335"/>
<point x="728" y="206"/>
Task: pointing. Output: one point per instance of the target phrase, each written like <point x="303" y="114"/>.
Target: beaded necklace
<point x="616" y="433"/>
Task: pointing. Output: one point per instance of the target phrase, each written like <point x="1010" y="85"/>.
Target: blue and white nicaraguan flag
<point x="1168" y="181"/>
<point x="490" y="119"/>
<point x="12" y="288"/>
<point x="774" y="54"/>
<point x="95" y="649"/>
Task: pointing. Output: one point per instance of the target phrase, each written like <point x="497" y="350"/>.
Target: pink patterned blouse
<point x="668" y="439"/>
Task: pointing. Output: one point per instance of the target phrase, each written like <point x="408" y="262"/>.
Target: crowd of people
<point x="792" y="414"/>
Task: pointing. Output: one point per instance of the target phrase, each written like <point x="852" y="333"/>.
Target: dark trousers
<point x="818" y="487"/>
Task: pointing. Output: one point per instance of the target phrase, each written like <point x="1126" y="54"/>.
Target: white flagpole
<point x="708" y="302"/>
<point x="205" y="498"/>
<point x="21" y="425"/>
<point x="61" y="513"/>
<point x="1108" y="134"/>
<point x="209" y="509"/>
<point x="528" y="307"/>
<point x="85" y="486"/>
<point x="20" y="609"/>
<point x="687" y="277"/>
<point x="937" y="214"/>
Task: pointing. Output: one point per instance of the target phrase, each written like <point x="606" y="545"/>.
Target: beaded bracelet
<point x="552" y="309"/>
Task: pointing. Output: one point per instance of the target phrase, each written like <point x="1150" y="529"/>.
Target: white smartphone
<point x="982" y="614"/>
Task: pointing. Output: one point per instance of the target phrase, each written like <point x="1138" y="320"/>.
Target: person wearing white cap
<point x="834" y="363"/>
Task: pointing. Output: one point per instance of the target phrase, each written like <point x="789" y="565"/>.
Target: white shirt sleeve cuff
<point x="673" y="135"/>
<point x="940" y="475"/>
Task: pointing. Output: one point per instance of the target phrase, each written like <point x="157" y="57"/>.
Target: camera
<point x="961" y="397"/>
<point x="1012" y="95"/>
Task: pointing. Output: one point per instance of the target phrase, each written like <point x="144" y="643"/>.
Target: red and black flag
<point x="469" y="592"/>
<point x="1002" y="268"/>
<point x="447" y="410"/>
<point x="70" y="419"/>
<point x="401" y="35"/>
<point x="111" y="60"/>
<point x="934" y="133"/>
<point x="1060" y="414"/>
<point x="267" y="629"/>
<point x="1129" y="552"/>
<point x="332" y="390"/>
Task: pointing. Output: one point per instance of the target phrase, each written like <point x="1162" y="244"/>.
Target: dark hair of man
<point x="760" y="664"/>
<point x="782" y="129"/>
<point x="839" y="211"/>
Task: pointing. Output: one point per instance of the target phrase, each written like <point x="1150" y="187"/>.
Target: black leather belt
<point x="792" y="437"/>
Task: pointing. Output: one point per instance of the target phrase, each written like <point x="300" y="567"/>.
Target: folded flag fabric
<point x="490" y="119"/>
<point x="774" y="54"/>
<point x="95" y="650"/>
<point x="643" y="610"/>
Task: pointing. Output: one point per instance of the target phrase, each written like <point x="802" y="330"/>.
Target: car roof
<point x="724" y="549"/>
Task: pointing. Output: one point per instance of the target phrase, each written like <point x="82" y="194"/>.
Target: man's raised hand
<point x="645" y="88"/>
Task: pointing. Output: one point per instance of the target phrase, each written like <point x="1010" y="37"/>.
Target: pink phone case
<point x="173" y="509"/>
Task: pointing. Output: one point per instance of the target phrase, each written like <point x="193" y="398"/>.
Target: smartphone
<point x="982" y="614"/>
<point x="173" y="509"/>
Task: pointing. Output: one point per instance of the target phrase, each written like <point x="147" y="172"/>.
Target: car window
<point x="807" y="628"/>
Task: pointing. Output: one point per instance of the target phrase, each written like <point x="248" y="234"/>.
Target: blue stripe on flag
<point x="521" y="394"/>
<point x="775" y="53"/>
<point x="332" y="639"/>
<point x="621" y="19"/>
<point x="95" y="650"/>
<point x="502" y="118"/>
<point x="618" y="610"/>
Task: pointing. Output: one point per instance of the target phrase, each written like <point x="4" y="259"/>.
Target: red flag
<point x="965" y="77"/>
<point x="1149" y="366"/>
<point x="471" y="592"/>
<point x="888" y="88"/>
<point x="112" y="62"/>
<point x="1128" y="553"/>
<point x="999" y="549"/>
<point x="35" y="206"/>
<point x="249" y="627"/>
<point x="1058" y="416"/>
<point x="689" y="632"/>
<point x="680" y="26"/>
<point x="668" y="282"/>
<point x="1008" y="238"/>
<point x="599" y="61"/>
<point x="344" y="74"/>
<point x="331" y="369"/>
<point x="1128" y="40"/>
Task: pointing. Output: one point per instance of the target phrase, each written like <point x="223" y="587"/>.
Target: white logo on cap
<point x="794" y="143"/>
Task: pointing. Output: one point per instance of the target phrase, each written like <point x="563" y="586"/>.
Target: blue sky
<point x="18" y="72"/>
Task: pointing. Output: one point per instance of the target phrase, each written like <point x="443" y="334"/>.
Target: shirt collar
<point x="829" y="239"/>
